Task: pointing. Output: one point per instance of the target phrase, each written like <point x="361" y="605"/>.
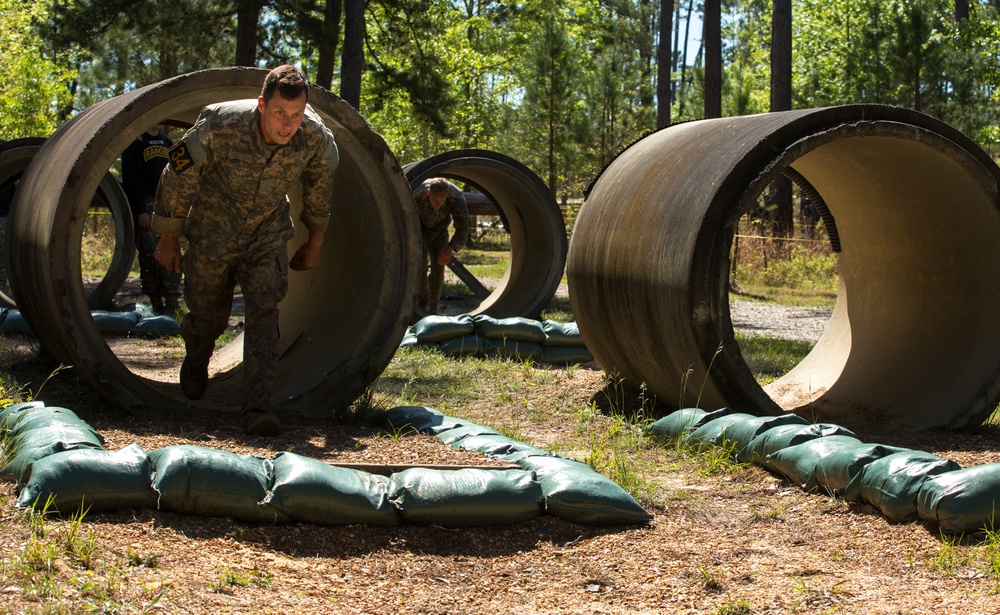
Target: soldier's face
<point x="280" y="118"/>
<point x="437" y="199"/>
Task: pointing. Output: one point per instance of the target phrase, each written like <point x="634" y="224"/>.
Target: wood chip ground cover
<point x="736" y="541"/>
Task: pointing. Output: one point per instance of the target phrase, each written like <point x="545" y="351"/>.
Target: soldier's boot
<point x="172" y="305"/>
<point x="158" y="305"/>
<point x="194" y="369"/>
<point x="257" y="422"/>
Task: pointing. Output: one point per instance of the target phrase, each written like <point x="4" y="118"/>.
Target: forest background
<point x="560" y="85"/>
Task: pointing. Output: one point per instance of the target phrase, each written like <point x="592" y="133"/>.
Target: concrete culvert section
<point x="341" y="322"/>
<point x="913" y="337"/>
<point x="15" y="156"/>
<point x="533" y="220"/>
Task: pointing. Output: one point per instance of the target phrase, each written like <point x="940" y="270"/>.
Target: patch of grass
<point x="485" y="263"/>
<point x="770" y="358"/>
<point x="98" y="242"/>
<point x="230" y="578"/>
<point x="948" y="557"/>
<point x="734" y="606"/>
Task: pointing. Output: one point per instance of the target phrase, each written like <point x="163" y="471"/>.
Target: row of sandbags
<point x="904" y="484"/>
<point x="517" y="338"/>
<point x="572" y="489"/>
<point x="134" y="319"/>
<point x="60" y="465"/>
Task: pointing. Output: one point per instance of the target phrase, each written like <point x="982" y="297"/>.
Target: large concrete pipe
<point x="536" y="226"/>
<point x="15" y="155"/>
<point x="913" y="339"/>
<point x="341" y="322"/>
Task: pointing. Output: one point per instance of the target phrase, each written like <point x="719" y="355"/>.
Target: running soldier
<point x="439" y="204"/>
<point x="224" y="189"/>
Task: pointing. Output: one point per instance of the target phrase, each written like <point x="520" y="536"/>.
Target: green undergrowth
<point x="769" y="358"/>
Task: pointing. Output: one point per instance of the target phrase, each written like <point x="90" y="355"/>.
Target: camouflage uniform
<point x="224" y="189"/>
<point x="434" y="234"/>
<point x="142" y="164"/>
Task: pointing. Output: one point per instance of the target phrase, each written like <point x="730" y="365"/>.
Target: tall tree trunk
<point x="352" y="64"/>
<point x="328" y="44"/>
<point x="684" y="57"/>
<point x="961" y="10"/>
<point x="712" y="36"/>
<point x="663" y="64"/>
<point x="781" y="100"/>
<point x="247" y="18"/>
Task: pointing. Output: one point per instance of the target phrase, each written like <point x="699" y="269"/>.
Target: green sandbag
<point x="741" y="432"/>
<point x="566" y="355"/>
<point x="561" y="334"/>
<point x="466" y="346"/>
<point x="195" y="480"/>
<point x="32" y="419"/>
<point x="91" y="480"/>
<point x="34" y="444"/>
<point x="465" y="498"/>
<point x="143" y="310"/>
<point x="310" y="491"/>
<point x="518" y="350"/>
<point x="470" y="429"/>
<point x="156" y="326"/>
<point x="893" y="482"/>
<point x="10" y="412"/>
<point x="14" y="324"/>
<point x="115" y="323"/>
<point x="962" y="501"/>
<point x="681" y="422"/>
<point x="783" y="436"/>
<point x="575" y="492"/>
<point x="515" y="328"/>
<point x="409" y="340"/>
<point x="713" y="433"/>
<point x="419" y="419"/>
<point x="491" y="444"/>
<point x="828" y="463"/>
<point x="436" y="328"/>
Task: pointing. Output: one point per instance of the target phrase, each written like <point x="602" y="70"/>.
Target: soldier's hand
<point x="168" y="253"/>
<point x="306" y="257"/>
<point x="444" y="256"/>
<point x="143" y="221"/>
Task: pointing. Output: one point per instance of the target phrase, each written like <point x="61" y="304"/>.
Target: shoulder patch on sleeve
<point x="180" y="158"/>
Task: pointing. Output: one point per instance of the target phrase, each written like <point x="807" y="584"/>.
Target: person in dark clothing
<point x="142" y="164"/>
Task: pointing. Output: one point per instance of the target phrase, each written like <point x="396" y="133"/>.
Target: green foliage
<point x="770" y="358"/>
<point x="800" y="267"/>
<point x="35" y="90"/>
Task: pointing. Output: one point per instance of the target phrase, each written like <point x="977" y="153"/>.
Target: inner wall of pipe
<point x="914" y="332"/>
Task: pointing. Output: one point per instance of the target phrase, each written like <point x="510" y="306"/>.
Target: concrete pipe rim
<point x="15" y="158"/>
<point x="690" y="327"/>
<point x="325" y="362"/>
<point x="537" y="229"/>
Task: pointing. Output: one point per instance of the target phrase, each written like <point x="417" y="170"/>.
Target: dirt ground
<point x="737" y="542"/>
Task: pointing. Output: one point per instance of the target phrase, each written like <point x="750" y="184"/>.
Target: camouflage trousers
<point x="432" y="283"/>
<point x="157" y="282"/>
<point x="211" y="271"/>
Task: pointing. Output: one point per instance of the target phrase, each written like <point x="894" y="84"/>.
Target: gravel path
<point x="773" y="320"/>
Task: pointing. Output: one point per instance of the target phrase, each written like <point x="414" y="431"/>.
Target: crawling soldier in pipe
<point x="224" y="189"/>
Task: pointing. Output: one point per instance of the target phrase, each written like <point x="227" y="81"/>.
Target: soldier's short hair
<point x="289" y="81"/>
<point x="438" y="185"/>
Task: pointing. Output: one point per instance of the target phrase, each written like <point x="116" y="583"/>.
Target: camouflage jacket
<point x="434" y="224"/>
<point x="221" y="172"/>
